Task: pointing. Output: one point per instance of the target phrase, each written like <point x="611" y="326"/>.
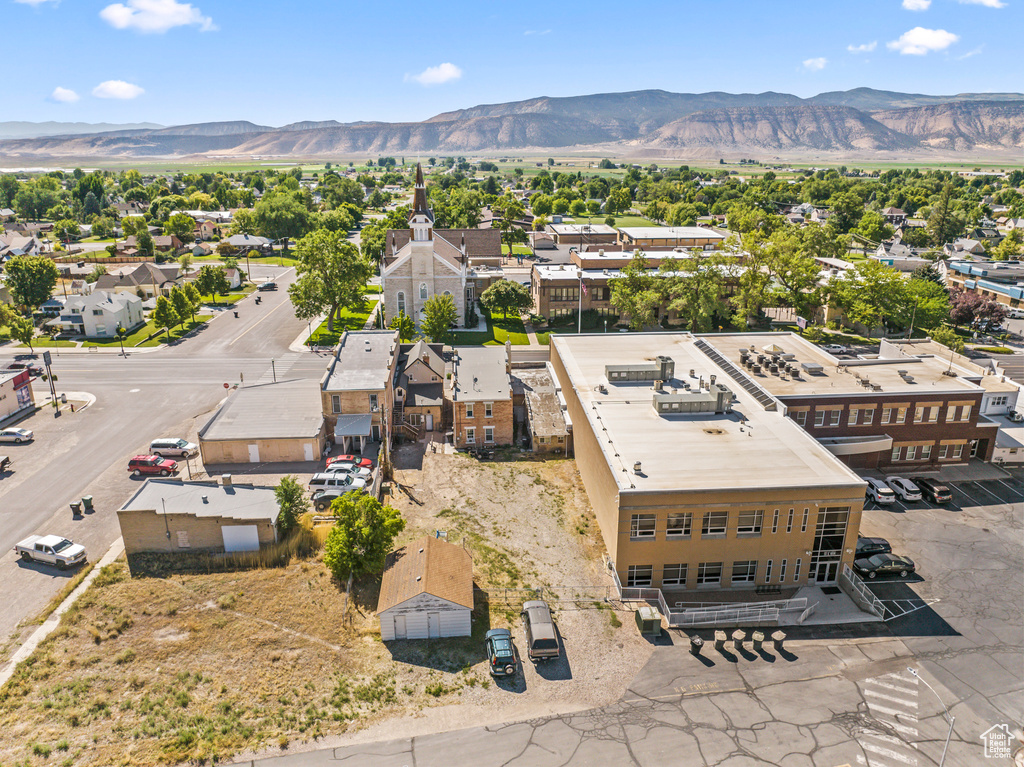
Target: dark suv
<point x="501" y="654"/>
<point x="866" y="547"/>
<point x="151" y="464"/>
<point x="933" y="490"/>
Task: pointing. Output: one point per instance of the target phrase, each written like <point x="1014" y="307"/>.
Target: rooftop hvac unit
<point x="637" y="468"/>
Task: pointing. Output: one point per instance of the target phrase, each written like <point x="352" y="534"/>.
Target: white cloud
<point x="975" y="52"/>
<point x="986" y="3"/>
<point x="919" y="41"/>
<point x="155" y="16"/>
<point x="117" y="89"/>
<point x="537" y="32"/>
<point x="64" y="95"/>
<point x="815" y="64"/>
<point x="35" y="2"/>
<point x="916" y="5"/>
<point x="865" y="48"/>
<point x="442" y="73"/>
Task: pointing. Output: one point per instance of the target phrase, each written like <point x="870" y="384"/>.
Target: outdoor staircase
<point x="410" y="430"/>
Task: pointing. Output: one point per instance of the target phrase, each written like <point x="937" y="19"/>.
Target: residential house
<point x="426" y="591"/>
<point x="894" y="216"/>
<point x="163" y="244"/>
<point x="539" y="406"/>
<point x="243" y="243"/>
<point x="206" y="230"/>
<point x="988" y="234"/>
<point x="419" y="388"/>
<point x="100" y="314"/>
<point x="962" y="247"/>
<point x="14" y="244"/>
<point x="481" y="395"/>
<point x="357" y="398"/>
<point x="176" y="517"/>
<point x="146" y="280"/>
<point x="6" y="214"/>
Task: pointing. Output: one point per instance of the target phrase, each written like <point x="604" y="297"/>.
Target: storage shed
<point x="426" y="591"/>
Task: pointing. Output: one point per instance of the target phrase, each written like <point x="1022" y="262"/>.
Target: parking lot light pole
<point x="945" y="713"/>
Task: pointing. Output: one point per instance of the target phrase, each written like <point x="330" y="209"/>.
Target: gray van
<point x="179" y="448"/>
<point x="541" y="639"/>
<point x="337" y="479"/>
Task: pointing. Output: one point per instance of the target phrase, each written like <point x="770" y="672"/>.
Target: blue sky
<point x="272" y="62"/>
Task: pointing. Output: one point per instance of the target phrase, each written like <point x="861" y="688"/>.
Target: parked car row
<point x="342" y="474"/>
<point x="886" y="491"/>
<point x="874" y="557"/>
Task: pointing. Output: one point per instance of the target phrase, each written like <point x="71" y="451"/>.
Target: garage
<point x="426" y="591"/>
<point x="240" y="538"/>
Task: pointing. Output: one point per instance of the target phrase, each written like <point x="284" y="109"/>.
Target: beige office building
<point x="696" y="481"/>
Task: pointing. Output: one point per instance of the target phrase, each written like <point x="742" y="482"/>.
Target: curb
<point x="50" y="624"/>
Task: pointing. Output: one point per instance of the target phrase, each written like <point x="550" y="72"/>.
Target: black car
<point x="884" y="564"/>
<point x="322" y="499"/>
<point x="501" y="654"/>
<point x="267" y="286"/>
<point x="33" y="370"/>
<point x="868" y="546"/>
<point x="933" y="490"/>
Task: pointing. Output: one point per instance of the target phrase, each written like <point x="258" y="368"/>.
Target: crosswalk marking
<point x="280" y="367"/>
<point x="892" y="702"/>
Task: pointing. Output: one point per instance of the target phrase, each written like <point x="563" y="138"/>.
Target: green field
<point x="347" y="320"/>
<point x="140" y="337"/>
<point x="499" y="329"/>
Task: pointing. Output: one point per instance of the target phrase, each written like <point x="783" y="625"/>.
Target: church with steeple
<point x="420" y="262"/>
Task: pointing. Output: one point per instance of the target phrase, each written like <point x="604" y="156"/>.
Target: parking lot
<point x="966" y="493"/>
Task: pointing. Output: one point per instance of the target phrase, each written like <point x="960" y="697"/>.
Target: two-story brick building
<point x="906" y="410"/>
<point x="481" y="396"/>
<point x="356" y="389"/>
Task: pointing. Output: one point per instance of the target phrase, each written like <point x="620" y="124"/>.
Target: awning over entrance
<point x="353" y="426"/>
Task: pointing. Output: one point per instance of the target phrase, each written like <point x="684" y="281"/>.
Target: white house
<point x="98" y="315"/>
<point x="426" y="591"/>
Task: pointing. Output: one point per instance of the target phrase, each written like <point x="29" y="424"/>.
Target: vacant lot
<point x="204" y="666"/>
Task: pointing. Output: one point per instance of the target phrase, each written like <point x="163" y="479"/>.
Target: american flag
<point x="583" y="286"/>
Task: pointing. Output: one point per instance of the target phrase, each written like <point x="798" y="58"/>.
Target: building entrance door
<point x="826" y="572"/>
<point x="430" y="421"/>
<point x="829" y="539"/>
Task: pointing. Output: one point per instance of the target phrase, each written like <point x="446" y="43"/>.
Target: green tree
<point x="31" y="279"/>
<point x="873" y="226"/>
<point x="194" y="299"/>
<point x="332" y="275"/>
<point x="1011" y="246"/>
<point x="696" y="288"/>
<point x="280" y="215"/>
<point x="182" y="306"/>
<point x="185" y="262"/>
<point x="182" y="226"/>
<point x="505" y="295"/>
<point x="637" y="293"/>
<point x="439" y="314"/>
<point x="212" y="280"/>
<point x="948" y="338"/>
<point x="404" y="325"/>
<point x="510" y="210"/>
<point x="22" y="329"/>
<point x="244" y="222"/>
<point x="847" y="210"/>
<point x="164" y="315"/>
<point x="144" y="242"/>
<point x="753" y="289"/>
<point x="292" y="502"/>
<point x="944" y="225"/>
<point x="66" y="230"/>
<point x="870" y="293"/>
<point x="926" y="305"/>
<point x="619" y="200"/>
<point x="362" y="537"/>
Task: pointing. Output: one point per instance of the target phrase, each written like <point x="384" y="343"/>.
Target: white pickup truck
<point x="51" y="550"/>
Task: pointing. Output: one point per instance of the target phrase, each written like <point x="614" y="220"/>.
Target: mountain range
<point x="656" y="123"/>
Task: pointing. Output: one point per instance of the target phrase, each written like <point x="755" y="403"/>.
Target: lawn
<point x="141" y="336"/>
<point x="227" y="299"/>
<point x="347" y="320"/>
<point x="499" y="329"/>
<point x="621" y="221"/>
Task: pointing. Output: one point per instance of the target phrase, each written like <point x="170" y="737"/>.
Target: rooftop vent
<point x="206" y="499"/>
<point x="225" y="479"/>
<point x="637" y="468"/>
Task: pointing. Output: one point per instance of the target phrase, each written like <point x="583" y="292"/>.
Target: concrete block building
<point x="699" y="481"/>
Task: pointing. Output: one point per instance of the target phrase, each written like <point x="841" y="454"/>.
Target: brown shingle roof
<point x="430" y="566"/>
<point x="480" y="243"/>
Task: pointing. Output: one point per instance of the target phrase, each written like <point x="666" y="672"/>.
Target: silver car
<point x="904" y="488"/>
<point x="16" y="434"/>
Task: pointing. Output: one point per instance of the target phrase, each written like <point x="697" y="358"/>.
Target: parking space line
<point x="1012" y="489"/>
<point x="989" y="492"/>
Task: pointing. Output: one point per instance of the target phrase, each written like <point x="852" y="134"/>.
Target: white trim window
<point x="782" y="572"/>
<point x="673" y="575"/>
<point x="768" y="571"/>
<point x="715" y="524"/>
<point x="400" y="300"/>
<point x="709" y="574"/>
<point x="680" y="525"/>
<point x="488" y="410"/>
<point x="749" y="522"/>
<point x="423" y="291"/>
<point x="642" y="526"/>
<point x="488" y="435"/>
<point x="796" y="569"/>
<point x="335" y="403"/>
<point x="469" y="410"/>
<point x="744" y="571"/>
<point x="471" y="435"/>
<point x="639" y="575"/>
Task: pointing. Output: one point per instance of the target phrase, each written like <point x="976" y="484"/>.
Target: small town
<point x="603" y="448"/>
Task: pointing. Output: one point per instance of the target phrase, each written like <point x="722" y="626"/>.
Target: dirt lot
<point x="205" y="666"/>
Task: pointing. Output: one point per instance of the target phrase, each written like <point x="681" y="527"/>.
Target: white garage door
<point x="240" y="538"/>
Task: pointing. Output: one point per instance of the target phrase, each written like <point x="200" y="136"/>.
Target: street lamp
<point x="120" y="338"/>
<point x="945" y="713"/>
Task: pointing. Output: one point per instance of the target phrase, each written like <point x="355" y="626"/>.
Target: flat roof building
<point x="697" y="481"/>
<point x="356" y="389"/>
<point x="648" y="237"/>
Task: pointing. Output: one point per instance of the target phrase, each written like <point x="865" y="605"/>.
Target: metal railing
<point x="858" y="591"/>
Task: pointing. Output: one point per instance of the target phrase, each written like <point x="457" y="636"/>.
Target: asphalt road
<point x="139" y="397"/>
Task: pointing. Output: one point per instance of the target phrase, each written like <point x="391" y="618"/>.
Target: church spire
<point x="420" y="207"/>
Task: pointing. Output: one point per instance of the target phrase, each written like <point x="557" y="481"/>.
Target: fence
<point x="702" y="614"/>
<point x="857" y="590"/>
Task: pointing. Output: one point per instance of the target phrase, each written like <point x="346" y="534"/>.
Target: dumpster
<point x="76" y="509"/>
<point x="648" y="620"/>
<point x="696" y="644"/>
<point x="87" y="503"/>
